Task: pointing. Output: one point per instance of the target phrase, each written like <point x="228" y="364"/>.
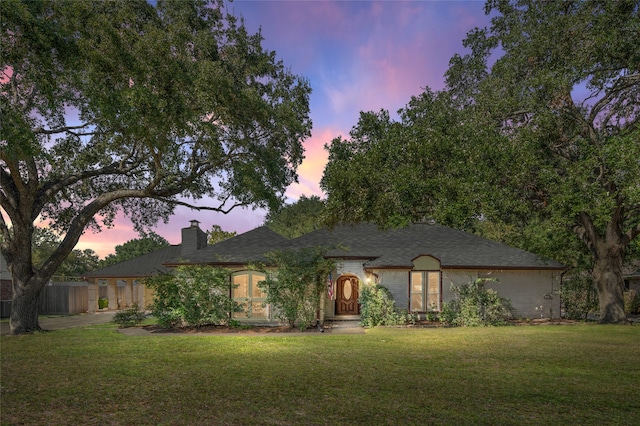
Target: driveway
<point x="68" y="321"/>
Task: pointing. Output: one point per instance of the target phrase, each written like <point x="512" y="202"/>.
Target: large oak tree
<point x="128" y="106"/>
<point x="537" y="129"/>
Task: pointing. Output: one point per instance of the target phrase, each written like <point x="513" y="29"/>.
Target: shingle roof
<point x="242" y="249"/>
<point x="396" y="248"/>
<point x="142" y="266"/>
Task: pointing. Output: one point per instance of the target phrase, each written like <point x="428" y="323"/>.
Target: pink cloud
<point x="311" y="170"/>
<point x="238" y="220"/>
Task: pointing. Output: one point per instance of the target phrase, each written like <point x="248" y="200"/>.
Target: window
<point x="425" y="291"/>
<point x="247" y="293"/>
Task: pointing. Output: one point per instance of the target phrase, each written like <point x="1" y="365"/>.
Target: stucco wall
<point x="397" y="282"/>
<point x="525" y="289"/>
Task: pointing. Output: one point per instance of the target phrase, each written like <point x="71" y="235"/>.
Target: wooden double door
<point x="347" y="296"/>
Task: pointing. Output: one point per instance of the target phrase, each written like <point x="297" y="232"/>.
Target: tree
<point x="134" y="107"/>
<point x="574" y="157"/>
<point x="394" y="172"/>
<point x="514" y="144"/>
<point x="294" y="282"/>
<point x="217" y="235"/>
<point x="147" y="243"/>
<point x="74" y="266"/>
<point x="299" y="218"/>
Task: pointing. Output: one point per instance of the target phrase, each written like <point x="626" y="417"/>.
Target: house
<point x="6" y="290"/>
<point x="120" y="286"/>
<point x="632" y="282"/>
<point x="418" y="264"/>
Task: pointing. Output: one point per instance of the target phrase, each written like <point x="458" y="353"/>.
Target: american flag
<point x="330" y="287"/>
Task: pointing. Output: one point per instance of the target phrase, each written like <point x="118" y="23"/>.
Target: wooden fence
<point x="65" y="298"/>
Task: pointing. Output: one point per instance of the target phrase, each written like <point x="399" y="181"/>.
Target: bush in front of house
<point x="295" y="285"/>
<point x="130" y="317"/>
<point x="377" y="308"/>
<point x="631" y="302"/>
<point x="192" y="296"/>
<point x="579" y="296"/>
<point x="475" y="305"/>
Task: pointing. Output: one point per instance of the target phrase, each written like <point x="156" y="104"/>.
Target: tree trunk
<point x="607" y="277"/>
<point x="24" y="307"/>
<point x="608" y="251"/>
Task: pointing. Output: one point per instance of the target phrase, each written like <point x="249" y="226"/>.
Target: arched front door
<point x="347" y="296"/>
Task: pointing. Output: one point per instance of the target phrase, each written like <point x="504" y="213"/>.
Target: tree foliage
<point x="74" y="266"/>
<point x="192" y="296"/>
<point x="135" y="107"/>
<point x="299" y="218"/>
<point x="475" y="305"/>
<point x="217" y="235"/>
<point x="147" y="243"/>
<point x="294" y="282"/>
<point x="377" y="308"/>
<point x="394" y="172"/>
<point x="536" y="133"/>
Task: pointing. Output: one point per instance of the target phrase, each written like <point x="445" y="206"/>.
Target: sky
<point x="358" y="56"/>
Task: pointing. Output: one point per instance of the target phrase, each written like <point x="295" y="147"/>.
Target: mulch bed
<point x="270" y="329"/>
<point x="223" y="329"/>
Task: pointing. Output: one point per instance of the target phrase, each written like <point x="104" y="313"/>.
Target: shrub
<point x="631" y="302"/>
<point x="377" y="307"/>
<point x="192" y="296"/>
<point x="130" y="317"/>
<point x="476" y="306"/>
<point x="579" y="296"/>
<point x="294" y="287"/>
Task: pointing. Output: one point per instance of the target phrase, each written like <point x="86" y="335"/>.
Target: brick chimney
<point x="193" y="239"/>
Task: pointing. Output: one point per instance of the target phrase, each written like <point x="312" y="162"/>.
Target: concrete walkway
<point x="345" y="327"/>
<point x="83" y="320"/>
<point x="68" y="321"/>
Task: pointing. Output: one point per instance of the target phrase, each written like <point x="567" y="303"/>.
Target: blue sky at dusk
<point x="357" y="56"/>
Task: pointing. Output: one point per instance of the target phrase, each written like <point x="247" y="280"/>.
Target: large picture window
<point x="246" y="292"/>
<point x="425" y="291"/>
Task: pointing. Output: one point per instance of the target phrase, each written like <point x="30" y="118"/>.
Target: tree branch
<point x="8" y="196"/>
<point x="64" y="129"/>
<point x="587" y="232"/>
<point x="633" y="232"/>
<point x="623" y="83"/>
<point x="219" y="209"/>
<point x="48" y="190"/>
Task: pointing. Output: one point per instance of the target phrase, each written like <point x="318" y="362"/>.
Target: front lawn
<point x="583" y="374"/>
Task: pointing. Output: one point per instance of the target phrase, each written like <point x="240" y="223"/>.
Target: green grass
<point x="585" y="374"/>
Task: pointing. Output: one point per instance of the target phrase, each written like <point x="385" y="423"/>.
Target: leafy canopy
<point x="537" y="148"/>
<point x="130" y="106"/>
<point x="299" y="218"/>
<point x="217" y="235"/>
<point x="74" y="266"/>
<point x="147" y="243"/>
<point x="127" y="105"/>
<point x="536" y="135"/>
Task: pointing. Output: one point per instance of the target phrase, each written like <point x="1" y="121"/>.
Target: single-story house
<point x="6" y="289"/>
<point x="418" y="264"/>
<point x="632" y="282"/>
